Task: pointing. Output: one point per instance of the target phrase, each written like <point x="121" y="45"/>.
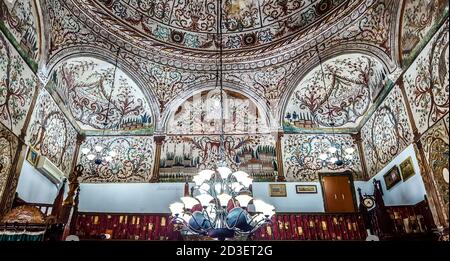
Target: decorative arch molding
<point x="364" y="49"/>
<point x="43" y="32"/>
<point x="210" y="85"/>
<point x="45" y="35"/>
<point x="109" y="57"/>
<point x="396" y="33"/>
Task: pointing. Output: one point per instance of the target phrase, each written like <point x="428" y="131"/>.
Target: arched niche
<point x="352" y="82"/>
<point x="200" y="113"/>
<point x="85" y="87"/>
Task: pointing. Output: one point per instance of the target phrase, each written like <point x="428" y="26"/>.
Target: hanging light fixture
<point x="99" y="154"/>
<point x="219" y="205"/>
<point x="335" y="151"/>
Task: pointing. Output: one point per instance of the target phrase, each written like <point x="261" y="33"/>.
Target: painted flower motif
<point x="249" y="39"/>
<point x="177" y="37"/>
<point x="233" y="42"/>
<point x="265" y="36"/>
<point x="161" y="33"/>
<point x="120" y="10"/>
<point x="191" y="41"/>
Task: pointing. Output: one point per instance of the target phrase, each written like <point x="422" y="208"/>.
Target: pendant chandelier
<point x="99" y="154"/>
<point x="335" y="153"/>
<point x="220" y="205"/>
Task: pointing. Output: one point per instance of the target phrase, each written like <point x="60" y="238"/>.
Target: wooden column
<point x="434" y="201"/>
<point x="7" y="198"/>
<point x="158" y="144"/>
<point x="279" y="151"/>
<point x="9" y="192"/>
<point x="358" y="141"/>
<point x="80" y="139"/>
<point x="65" y="216"/>
<point x="436" y="205"/>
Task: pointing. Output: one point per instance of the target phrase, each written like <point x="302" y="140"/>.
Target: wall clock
<point x="368" y="202"/>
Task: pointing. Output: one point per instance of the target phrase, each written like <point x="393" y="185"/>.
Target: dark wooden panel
<point x="338" y="193"/>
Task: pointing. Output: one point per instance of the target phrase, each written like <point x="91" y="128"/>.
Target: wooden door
<point x="338" y="193"/>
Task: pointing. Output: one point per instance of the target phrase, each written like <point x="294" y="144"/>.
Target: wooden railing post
<point x="66" y="213"/>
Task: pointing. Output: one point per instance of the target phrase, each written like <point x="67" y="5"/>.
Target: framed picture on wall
<point x="32" y="156"/>
<point x="407" y="168"/>
<point x="300" y="189"/>
<point x="277" y="190"/>
<point x="392" y="177"/>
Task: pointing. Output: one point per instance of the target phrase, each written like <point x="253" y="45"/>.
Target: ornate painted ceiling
<point x="169" y="51"/>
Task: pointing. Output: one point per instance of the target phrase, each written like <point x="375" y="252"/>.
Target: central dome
<point x="189" y="27"/>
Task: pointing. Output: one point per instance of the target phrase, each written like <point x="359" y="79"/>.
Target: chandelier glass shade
<point x="336" y="154"/>
<point x="99" y="154"/>
<point x="219" y="206"/>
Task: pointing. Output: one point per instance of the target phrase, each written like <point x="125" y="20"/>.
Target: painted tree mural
<point x="85" y="85"/>
<point x="51" y="133"/>
<point x="435" y="142"/>
<point x="419" y="19"/>
<point x="301" y="153"/>
<point x="351" y="84"/>
<point x="386" y="133"/>
<point x="8" y="147"/>
<point x="427" y="81"/>
<point x="20" y="19"/>
<point x="183" y="156"/>
<point x="201" y="114"/>
<point x="17" y="84"/>
<point x="133" y="163"/>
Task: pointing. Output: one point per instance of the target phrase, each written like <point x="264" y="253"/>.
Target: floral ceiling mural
<point x="133" y="161"/>
<point x="201" y="114"/>
<point x="183" y="156"/>
<point x="427" y="81"/>
<point x="386" y="133"/>
<point x="17" y="85"/>
<point x="51" y="133"/>
<point x="8" y="147"/>
<point x="109" y="24"/>
<point x="419" y="19"/>
<point x="352" y="82"/>
<point x="302" y="156"/>
<point x="168" y="70"/>
<point x="167" y="83"/>
<point x="435" y="142"/>
<point x="20" y="19"/>
<point x="246" y="24"/>
<point x="85" y="85"/>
